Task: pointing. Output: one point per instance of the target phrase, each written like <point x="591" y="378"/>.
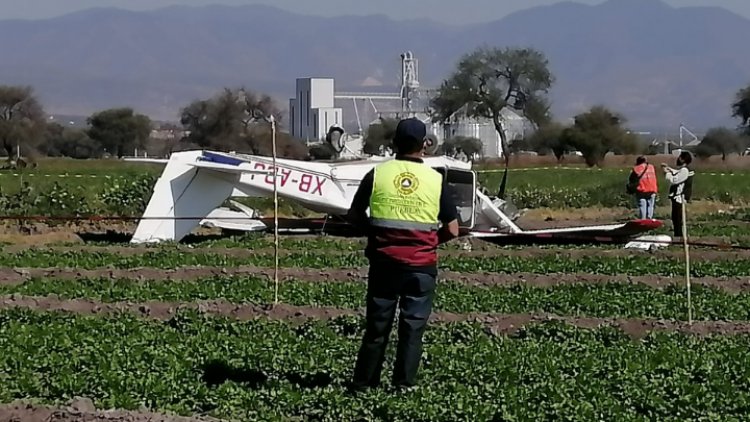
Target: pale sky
<point x="456" y="11"/>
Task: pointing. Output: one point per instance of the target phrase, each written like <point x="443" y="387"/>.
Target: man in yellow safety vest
<point x="410" y="215"/>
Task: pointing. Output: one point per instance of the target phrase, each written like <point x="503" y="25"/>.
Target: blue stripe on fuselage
<point x="221" y="159"/>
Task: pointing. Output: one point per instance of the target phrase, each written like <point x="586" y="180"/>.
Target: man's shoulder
<point x="433" y="172"/>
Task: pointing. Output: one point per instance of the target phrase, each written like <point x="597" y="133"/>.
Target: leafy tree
<point x="379" y="136"/>
<point x="549" y="138"/>
<point x="741" y="107"/>
<point x="538" y="112"/>
<point x="519" y="145"/>
<point x="720" y="141"/>
<point x="51" y="139"/>
<point x="237" y="121"/>
<point x="597" y="132"/>
<point x="75" y="143"/>
<point x="119" y="130"/>
<point x="456" y="145"/>
<point x="21" y="118"/>
<point x="490" y="79"/>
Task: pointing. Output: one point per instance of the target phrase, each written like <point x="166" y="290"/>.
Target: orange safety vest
<point x="648" y="183"/>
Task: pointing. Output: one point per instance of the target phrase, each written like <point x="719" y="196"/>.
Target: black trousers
<point x="677" y="218"/>
<point x="413" y="292"/>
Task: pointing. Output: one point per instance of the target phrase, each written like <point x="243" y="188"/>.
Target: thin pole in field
<point x="687" y="259"/>
<point x="275" y="216"/>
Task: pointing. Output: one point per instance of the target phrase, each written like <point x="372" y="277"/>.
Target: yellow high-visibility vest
<point x="405" y="195"/>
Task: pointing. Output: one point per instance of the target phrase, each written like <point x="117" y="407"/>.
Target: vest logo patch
<point x="406" y="183"/>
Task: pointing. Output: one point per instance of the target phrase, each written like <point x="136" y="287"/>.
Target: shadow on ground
<point x="218" y="372"/>
<point x="115" y="237"/>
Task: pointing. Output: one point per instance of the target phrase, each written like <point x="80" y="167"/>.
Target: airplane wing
<point x="147" y="160"/>
<point x="585" y="234"/>
<point x="224" y="163"/>
<point x="210" y="161"/>
<point x="582" y="234"/>
<point x="227" y="169"/>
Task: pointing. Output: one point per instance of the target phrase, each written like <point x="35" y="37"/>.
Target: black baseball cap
<point x="410" y="130"/>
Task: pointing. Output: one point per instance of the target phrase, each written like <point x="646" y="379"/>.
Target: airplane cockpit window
<point x="462" y="188"/>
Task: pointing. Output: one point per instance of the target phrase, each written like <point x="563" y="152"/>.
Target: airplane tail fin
<point x="182" y="197"/>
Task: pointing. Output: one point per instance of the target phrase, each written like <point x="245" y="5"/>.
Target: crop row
<point x="737" y="232"/>
<point x="265" y="370"/>
<point x="547" y="264"/>
<point x="581" y="300"/>
<point x="259" y="241"/>
<point x="122" y="195"/>
<point x="127" y="192"/>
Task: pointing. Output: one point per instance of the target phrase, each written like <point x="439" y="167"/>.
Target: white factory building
<point x="312" y="112"/>
<point x="516" y="127"/>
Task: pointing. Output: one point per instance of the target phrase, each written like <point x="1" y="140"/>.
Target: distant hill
<point x="657" y="64"/>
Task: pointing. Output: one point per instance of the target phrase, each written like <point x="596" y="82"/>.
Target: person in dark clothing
<point x="680" y="188"/>
<point x="408" y="201"/>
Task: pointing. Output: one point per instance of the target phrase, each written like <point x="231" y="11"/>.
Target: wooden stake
<point x="687" y="260"/>
<point x="275" y="217"/>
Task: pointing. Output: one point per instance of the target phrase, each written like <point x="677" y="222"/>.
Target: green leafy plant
<point x="587" y="300"/>
<point x="546" y="264"/>
<point x="25" y="201"/>
<point x="274" y="371"/>
<point x="128" y="195"/>
<point x="61" y="200"/>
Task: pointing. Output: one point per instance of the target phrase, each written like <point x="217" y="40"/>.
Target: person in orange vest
<point x="642" y="183"/>
<point x="411" y="213"/>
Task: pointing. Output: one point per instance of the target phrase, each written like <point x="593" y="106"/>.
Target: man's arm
<point x="357" y="214"/>
<point x="448" y="216"/>
<point x="676" y="177"/>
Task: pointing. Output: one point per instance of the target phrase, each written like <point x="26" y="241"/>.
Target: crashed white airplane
<point x="194" y="183"/>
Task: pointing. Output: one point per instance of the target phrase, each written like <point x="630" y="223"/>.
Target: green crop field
<point x="584" y="333"/>
<point x="63" y="187"/>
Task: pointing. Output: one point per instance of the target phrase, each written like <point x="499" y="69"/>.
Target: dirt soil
<point x="39" y="233"/>
<point x="16" y="276"/>
<point x="82" y="410"/>
<point x="500" y="324"/>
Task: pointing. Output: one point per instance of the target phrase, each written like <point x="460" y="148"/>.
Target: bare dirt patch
<point x="501" y="324"/>
<point x="83" y="410"/>
<point x="16" y="276"/>
<point x="15" y="232"/>
<point x="51" y="238"/>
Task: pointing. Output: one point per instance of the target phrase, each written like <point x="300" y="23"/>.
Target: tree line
<point x="484" y="83"/>
<point x="489" y="80"/>
<point x="25" y="129"/>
